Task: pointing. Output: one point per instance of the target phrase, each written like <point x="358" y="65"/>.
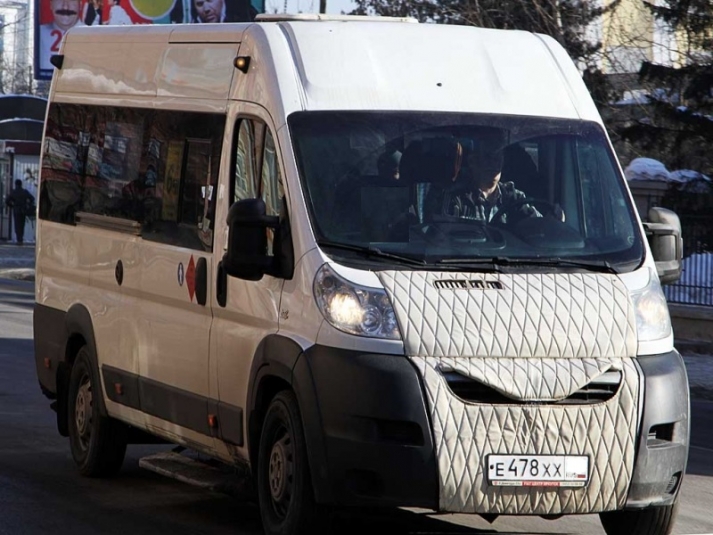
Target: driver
<point x="483" y="194"/>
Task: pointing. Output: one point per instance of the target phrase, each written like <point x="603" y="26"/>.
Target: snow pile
<point x="696" y="283"/>
<point x="653" y="170"/>
<point x="686" y="175"/>
<point x="647" y="169"/>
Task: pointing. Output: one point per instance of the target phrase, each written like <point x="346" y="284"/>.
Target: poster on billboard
<point x="54" y="17"/>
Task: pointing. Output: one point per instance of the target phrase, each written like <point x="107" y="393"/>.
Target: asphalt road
<point x="41" y="492"/>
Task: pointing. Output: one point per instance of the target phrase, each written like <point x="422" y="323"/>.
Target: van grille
<point x="600" y="390"/>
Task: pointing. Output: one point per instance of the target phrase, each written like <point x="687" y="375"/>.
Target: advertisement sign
<point x="54" y="17"/>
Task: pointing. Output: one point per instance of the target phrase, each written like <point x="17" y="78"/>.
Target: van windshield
<point x="445" y="189"/>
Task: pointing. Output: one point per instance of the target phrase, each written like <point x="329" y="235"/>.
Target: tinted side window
<point x="271" y="186"/>
<point x="244" y="181"/>
<point x="257" y="170"/>
<point x="272" y="189"/>
<point x="152" y="166"/>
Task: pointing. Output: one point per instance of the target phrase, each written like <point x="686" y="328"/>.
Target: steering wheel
<point x="552" y="208"/>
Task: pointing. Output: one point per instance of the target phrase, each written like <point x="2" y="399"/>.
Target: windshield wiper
<point x="600" y="266"/>
<point x="372" y="252"/>
<point x="487" y="265"/>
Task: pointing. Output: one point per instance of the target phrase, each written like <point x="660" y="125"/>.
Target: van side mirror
<point x="247" y="257"/>
<point x="663" y="231"/>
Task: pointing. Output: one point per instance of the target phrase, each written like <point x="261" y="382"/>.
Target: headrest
<point x="436" y="160"/>
<point x="517" y="163"/>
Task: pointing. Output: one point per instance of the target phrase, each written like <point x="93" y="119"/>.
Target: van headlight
<point x="354" y="309"/>
<point x="652" y="318"/>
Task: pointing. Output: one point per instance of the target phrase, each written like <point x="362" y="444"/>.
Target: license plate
<point x="538" y="470"/>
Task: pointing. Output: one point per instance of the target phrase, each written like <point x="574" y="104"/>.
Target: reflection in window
<point x="256" y="156"/>
<point x="244" y="181"/>
<point x="271" y="186"/>
<point x="145" y="165"/>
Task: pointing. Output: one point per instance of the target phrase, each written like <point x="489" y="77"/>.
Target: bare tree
<point x="675" y="119"/>
<point x="15" y="77"/>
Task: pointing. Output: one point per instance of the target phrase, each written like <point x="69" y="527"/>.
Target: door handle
<point x="221" y="285"/>
<point x="202" y="281"/>
<point x="119" y="272"/>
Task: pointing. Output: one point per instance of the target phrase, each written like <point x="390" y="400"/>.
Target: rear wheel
<point x="649" y="521"/>
<point x="98" y="442"/>
<point x="284" y="486"/>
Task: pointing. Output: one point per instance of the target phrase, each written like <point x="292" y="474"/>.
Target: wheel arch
<point x="79" y="332"/>
<point x="278" y="365"/>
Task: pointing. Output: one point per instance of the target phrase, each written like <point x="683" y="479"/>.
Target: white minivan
<point x="370" y="261"/>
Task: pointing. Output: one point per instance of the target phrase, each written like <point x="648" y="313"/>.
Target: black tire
<point x="283" y="481"/>
<point x="649" y="521"/>
<point x="98" y="442"/>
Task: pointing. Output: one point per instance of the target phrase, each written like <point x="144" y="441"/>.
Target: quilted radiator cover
<point x="531" y="337"/>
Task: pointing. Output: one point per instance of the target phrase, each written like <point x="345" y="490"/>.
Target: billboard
<point x="54" y="17"/>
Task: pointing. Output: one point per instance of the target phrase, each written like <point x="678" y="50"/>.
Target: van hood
<point x="512" y="315"/>
<point x="550" y="334"/>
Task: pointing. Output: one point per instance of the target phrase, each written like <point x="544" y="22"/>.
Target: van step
<point x="207" y="474"/>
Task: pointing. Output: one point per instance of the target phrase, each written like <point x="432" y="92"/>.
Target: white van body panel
<point x="362" y="277"/>
<point x="143" y="65"/>
<point x="381" y="76"/>
<point x="301" y="320"/>
<point x="271" y="81"/>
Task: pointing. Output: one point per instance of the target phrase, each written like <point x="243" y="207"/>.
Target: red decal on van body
<point x="191" y="278"/>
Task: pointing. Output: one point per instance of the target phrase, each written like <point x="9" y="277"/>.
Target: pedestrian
<point x="22" y="204"/>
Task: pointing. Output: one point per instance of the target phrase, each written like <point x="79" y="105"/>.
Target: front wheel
<point x="284" y="486"/>
<point x="98" y="442"/>
<point x="649" y="521"/>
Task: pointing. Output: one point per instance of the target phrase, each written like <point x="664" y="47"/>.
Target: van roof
<point x="317" y="62"/>
<point x="322" y="17"/>
<point x="434" y="67"/>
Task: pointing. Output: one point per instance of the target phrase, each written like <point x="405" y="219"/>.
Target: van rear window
<point x="155" y="167"/>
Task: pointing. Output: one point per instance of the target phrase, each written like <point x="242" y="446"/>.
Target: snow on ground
<point x="696" y="283"/>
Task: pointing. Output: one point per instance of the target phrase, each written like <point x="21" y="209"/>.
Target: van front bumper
<point x="664" y="432"/>
<point x="367" y="429"/>
<point x="370" y="436"/>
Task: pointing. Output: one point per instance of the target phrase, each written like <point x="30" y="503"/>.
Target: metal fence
<point x="696" y="284"/>
<point x="695" y="287"/>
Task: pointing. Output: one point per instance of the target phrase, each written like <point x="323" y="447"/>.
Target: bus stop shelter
<point x="21" y="123"/>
